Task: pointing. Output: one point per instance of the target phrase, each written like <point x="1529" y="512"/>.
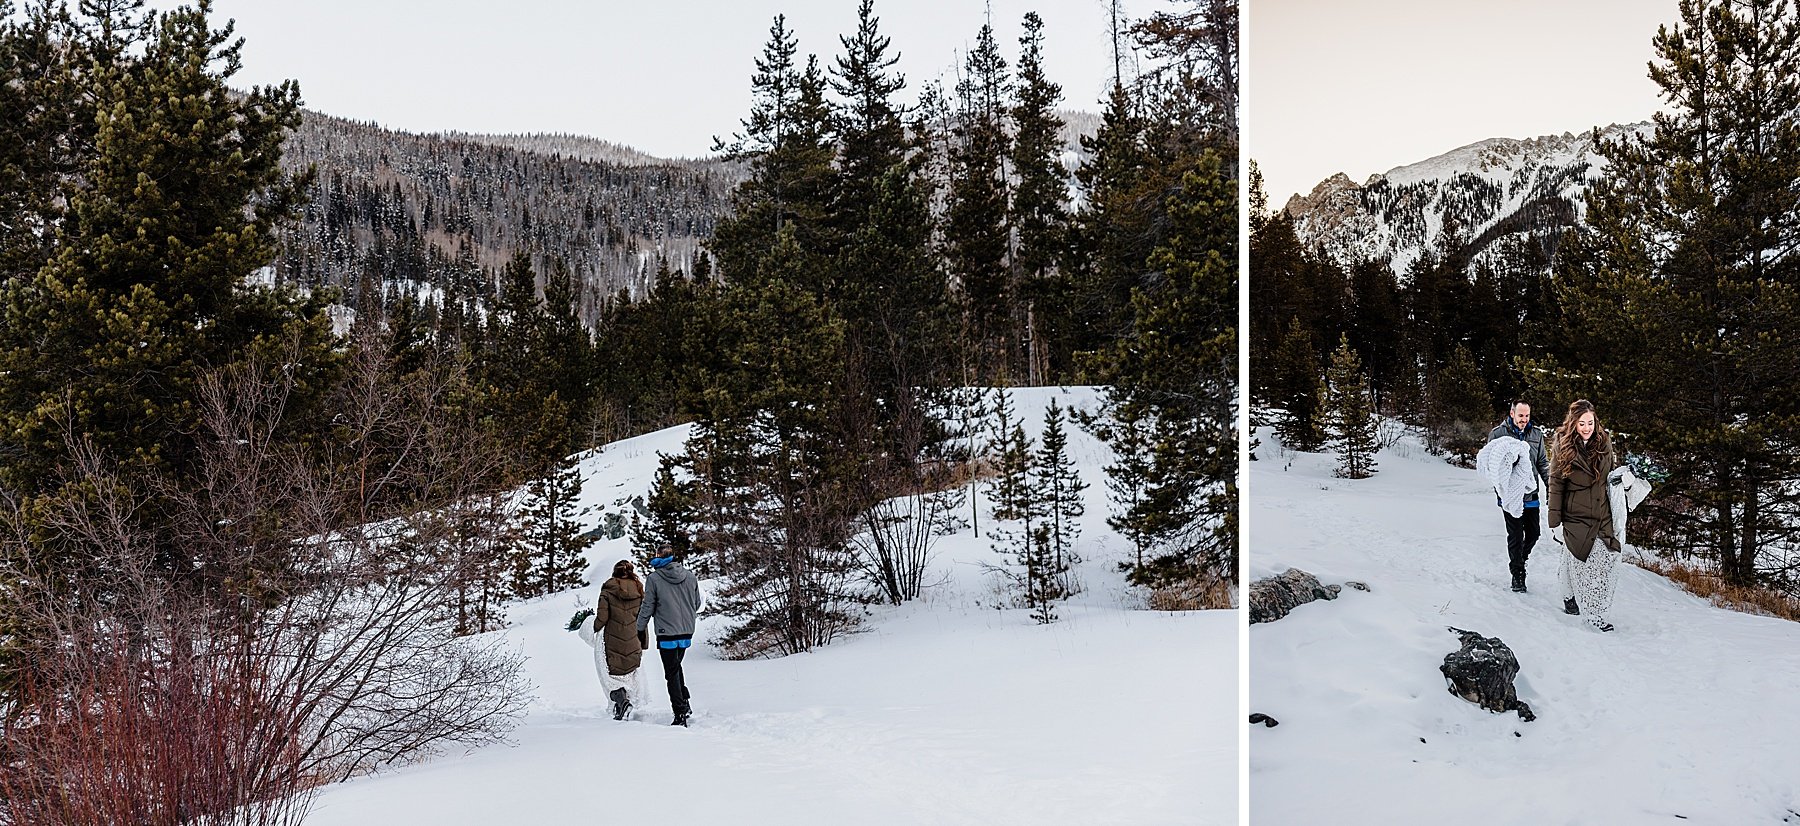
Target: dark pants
<point x="1521" y="534"/>
<point x="678" y="693"/>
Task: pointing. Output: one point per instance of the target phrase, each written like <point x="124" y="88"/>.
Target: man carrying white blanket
<point x="1514" y="462"/>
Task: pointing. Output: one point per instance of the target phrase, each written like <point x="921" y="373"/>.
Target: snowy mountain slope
<point x="1686" y="711"/>
<point x="1527" y="190"/>
<point x="940" y="712"/>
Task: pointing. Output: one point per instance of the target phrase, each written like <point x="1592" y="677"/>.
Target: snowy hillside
<point x="945" y="711"/>
<point x="1528" y="189"/>
<point x="1686" y="713"/>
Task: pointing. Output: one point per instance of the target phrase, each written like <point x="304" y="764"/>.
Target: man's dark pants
<point x="678" y="693"/>
<point x="1521" y="534"/>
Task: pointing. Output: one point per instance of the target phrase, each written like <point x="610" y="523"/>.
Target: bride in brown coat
<point x="1580" y="516"/>
<point x="618" y="649"/>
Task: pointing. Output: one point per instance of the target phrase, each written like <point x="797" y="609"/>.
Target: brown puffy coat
<point x="615" y="620"/>
<point x="1578" y="503"/>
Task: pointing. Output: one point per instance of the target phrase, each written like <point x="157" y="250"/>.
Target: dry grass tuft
<point x="1193" y="597"/>
<point x="1710" y="586"/>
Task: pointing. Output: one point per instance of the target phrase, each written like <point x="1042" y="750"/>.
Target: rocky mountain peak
<point x="1512" y="190"/>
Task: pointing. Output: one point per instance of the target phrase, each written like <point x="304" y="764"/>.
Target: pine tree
<point x="971" y="405"/>
<point x="648" y="356"/>
<point x="1198" y="51"/>
<point x="1036" y="499"/>
<point x="1006" y="485"/>
<point x="1377" y="328"/>
<point x="1289" y="286"/>
<point x="515" y="371"/>
<point x="1175" y="376"/>
<point x="131" y="228"/>
<point x="1680" y="300"/>
<point x="869" y="130"/>
<point x="1050" y="576"/>
<point x="1490" y="329"/>
<point x="888" y="286"/>
<point x="886" y="283"/>
<point x="976" y="234"/>
<point x="1059" y="483"/>
<point x="1461" y="407"/>
<point x="1437" y="289"/>
<point x="671" y="508"/>
<point x="1351" y="414"/>
<point x="568" y="352"/>
<point x="774" y="478"/>
<point x="900" y="341"/>
<point x="49" y="120"/>
<point x="1107" y="248"/>
<point x="536" y="364"/>
<point x="1295" y="389"/>
<point x="1038" y="212"/>
<point x="551" y="555"/>
<point x="1018" y="516"/>
<point x="788" y="143"/>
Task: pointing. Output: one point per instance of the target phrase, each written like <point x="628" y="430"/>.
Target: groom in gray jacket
<point x="672" y="598"/>
<point x="1522" y="532"/>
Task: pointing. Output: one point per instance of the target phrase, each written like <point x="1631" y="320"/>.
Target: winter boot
<point x="621" y="703"/>
<point x="1518" y="583"/>
<point x="1570" y="608"/>
<point x="681" y="718"/>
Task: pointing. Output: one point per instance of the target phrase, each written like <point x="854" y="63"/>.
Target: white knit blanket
<point x="1506" y="464"/>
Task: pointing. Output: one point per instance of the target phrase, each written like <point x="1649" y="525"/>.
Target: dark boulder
<point x="1482" y="672"/>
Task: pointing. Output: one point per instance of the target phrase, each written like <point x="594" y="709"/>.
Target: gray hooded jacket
<point x="672" y="598"/>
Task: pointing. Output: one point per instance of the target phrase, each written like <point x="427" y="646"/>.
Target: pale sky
<point x="663" y="76"/>
<point x="1363" y="86"/>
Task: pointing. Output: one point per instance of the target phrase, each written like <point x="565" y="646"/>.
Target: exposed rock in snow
<point x="1273" y="598"/>
<point x="1482" y="672"/>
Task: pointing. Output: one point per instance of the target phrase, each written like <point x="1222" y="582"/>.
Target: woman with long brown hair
<point x="618" y="648"/>
<point x="1580" y="515"/>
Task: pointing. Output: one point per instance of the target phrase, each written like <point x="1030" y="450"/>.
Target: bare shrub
<point x="896" y="539"/>
<point x="191" y="736"/>
<point x="1389" y="432"/>
<point x="145" y="707"/>
<point x="376" y="543"/>
<point x="310" y="630"/>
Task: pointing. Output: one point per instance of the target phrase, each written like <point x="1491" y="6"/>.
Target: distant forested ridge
<point x="440" y="214"/>
<point x="448" y="212"/>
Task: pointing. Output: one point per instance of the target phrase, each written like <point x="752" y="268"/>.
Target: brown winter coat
<point x="616" y="622"/>
<point x="1578" y="503"/>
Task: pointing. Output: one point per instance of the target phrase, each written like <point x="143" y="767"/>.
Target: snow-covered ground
<point x="940" y="712"/>
<point x="1686" y="713"/>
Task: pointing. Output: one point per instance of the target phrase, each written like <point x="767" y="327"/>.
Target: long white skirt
<point x="1590" y="583"/>
<point x="634" y="687"/>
